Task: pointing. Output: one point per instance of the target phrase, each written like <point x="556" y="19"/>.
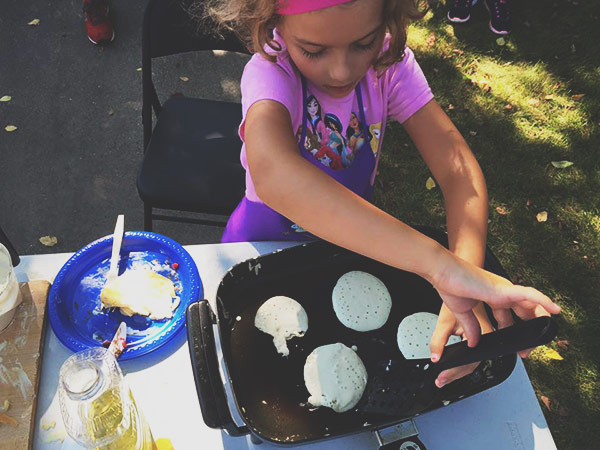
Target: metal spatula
<point x="406" y="387"/>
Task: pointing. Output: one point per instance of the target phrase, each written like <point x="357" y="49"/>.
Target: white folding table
<point x="506" y="417"/>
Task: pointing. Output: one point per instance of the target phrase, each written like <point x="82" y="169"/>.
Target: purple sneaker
<point x="499" y="16"/>
<point x="460" y="11"/>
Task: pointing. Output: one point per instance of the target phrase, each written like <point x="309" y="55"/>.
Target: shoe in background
<point x="460" y="11"/>
<point x="499" y="16"/>
<point x="97" y="23"/>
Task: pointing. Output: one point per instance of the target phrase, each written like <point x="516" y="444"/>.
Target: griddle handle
<point x="521" y="336"/>
<point x="205" y="365"/>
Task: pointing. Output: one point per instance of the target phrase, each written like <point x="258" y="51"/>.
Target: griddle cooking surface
<point x="270" y="387"/>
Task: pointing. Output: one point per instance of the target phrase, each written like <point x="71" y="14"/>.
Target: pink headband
<point x="289" y="7"/>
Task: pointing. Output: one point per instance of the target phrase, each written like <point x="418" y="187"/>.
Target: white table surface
<point x="506" y="417"/>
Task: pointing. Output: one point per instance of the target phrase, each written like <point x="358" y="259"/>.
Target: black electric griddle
<point x="269" y="389"/>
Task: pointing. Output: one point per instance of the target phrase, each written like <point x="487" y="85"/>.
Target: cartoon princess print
<point x="355" y="137"/>
<point x="332" y="143"/>
<point x="316" y="127"/>
<point x="375" y="131"/>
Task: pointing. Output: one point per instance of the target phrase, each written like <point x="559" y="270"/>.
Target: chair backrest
<point x="169" y="29"/>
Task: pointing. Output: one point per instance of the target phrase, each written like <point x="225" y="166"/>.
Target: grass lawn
<point x="523" y="104"/>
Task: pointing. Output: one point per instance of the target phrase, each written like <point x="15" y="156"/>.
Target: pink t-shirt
<point x="397" y="95"/>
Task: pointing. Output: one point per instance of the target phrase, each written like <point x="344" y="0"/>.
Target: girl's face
<point x="313" y="107"/>
<point x="335" y="47"/>
<point x="353" y="121"/>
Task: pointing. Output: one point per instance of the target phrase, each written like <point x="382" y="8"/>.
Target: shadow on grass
<point x="559" y="257"/>
<point x="563" y="34"/>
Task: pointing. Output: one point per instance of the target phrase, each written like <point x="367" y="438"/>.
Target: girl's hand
<point x="446" y="326"/>
<point x="462" y="282"/>
<point x="526" y="311"/>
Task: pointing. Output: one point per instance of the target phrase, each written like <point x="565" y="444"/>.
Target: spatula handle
<point x="521" y="336"/>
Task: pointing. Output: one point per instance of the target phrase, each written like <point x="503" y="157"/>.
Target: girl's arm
<point x="462" y="183"/>
<point x="459" y="176"/>
<point x="295" y="188"/>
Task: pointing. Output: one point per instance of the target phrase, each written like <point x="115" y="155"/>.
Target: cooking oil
<point x="97" y="406"/>
<point x="106" y="421"/>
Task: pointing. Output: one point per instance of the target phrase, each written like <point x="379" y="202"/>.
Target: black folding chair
<point x="192" y="155"/>
<point x="14" y="256"/>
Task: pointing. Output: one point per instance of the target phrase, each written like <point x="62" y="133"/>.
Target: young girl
<point x="350" y="56"/>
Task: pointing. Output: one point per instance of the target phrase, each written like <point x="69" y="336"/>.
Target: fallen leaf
<point x="573" y="49"/>
<point x="184" y="79"/>
<point x="508" y="107"/>
<point x="533" y="102"/>
<point x="139" y="69"/>
<point x="501" y="210"/>
<point x="546" y="401"/>
<point x="429" y="184"/>
<point x="10" y="128"/>
<point x="430" y="42"/>
<point x="473" y="133"/>
<point x="8" y="420"/>
<point x="458" y="51"/>
<point x="6" y="405"/>
<point x="577" y="96"/>
<point x="450" y="107"/>
<point x="111" y="112"/>
<point x="528" y="202"/>
<point x="436" y="71"/>
<point x="5" y="98"/>
<point x="549" y="97"/>
<point x="562" y="164"/>
<point x="501" y="41"/>
<point x="550" y="353"/>
<point x="49" y="241"/>
<point x="34" y="22"/>
<point x="483" y="83"/>
<point x="542" y="216"/>
<point x="527" y="24"/>
<point x="563" y="343"/>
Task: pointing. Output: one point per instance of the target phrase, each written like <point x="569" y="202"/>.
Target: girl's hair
<point x="253" y="21"/>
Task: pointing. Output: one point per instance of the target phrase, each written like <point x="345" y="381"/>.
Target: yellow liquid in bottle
<point x="105" y="420"/>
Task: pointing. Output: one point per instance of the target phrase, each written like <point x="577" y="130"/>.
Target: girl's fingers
<point x="503" y="317"/>
<point x="525" y="353"/>
<point x="470" y="325"/>
<point x="441" y="333"/>
<point x="518" y="294"/>
<point x="450" y="375"/>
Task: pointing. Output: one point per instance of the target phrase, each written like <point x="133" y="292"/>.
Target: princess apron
<point x="254" y="221"/>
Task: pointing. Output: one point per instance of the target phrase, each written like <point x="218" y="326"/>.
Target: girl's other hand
<point x="462" y="283"/>
<point x="446" y="326"/>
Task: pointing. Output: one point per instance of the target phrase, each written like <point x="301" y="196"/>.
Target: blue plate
<point x="74" y="306"/>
